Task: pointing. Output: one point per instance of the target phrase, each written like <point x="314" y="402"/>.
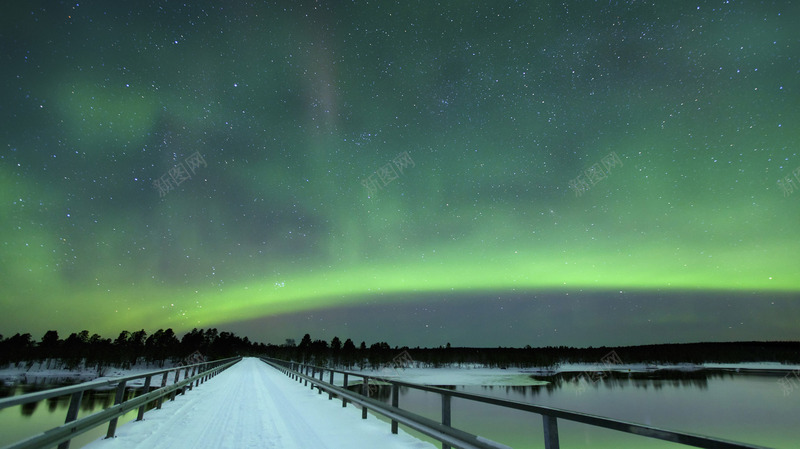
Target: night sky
<point x="477" y="172"/>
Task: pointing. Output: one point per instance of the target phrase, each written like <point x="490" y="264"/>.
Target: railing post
<point x="330" y="393"/>
<point x="112" y="425"/>
<point x="550" y="432"/>
<point x="160" y="400"/>
<point x="72" y="413"/>
<point x="185" y="376"/>
<point x="395" y="403"/>
<point x="446" y="415"/>
<point x="140" y="416"/>
<point x="321" y="373"/>
<point x="175" y="381"/>
<point x="365" y="392"/>
<point x="344" y="385"/>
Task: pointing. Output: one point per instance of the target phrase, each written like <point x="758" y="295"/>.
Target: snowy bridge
<point x="244" y="403"/>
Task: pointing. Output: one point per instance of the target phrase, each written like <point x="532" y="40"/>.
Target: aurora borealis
<point x="498" y="106"/>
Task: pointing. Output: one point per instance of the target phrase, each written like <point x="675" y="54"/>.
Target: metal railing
<point x="450" y="436"/>
<point x="193" y="375"/>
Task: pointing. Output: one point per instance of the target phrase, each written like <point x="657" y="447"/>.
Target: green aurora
<point x="501" y="106"/>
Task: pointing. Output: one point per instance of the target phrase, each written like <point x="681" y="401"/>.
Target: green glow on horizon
<point x="200" y="305"/>
<point x="499" y="111"/>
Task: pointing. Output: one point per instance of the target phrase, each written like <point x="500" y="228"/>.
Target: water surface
<point x="750" y="408"/>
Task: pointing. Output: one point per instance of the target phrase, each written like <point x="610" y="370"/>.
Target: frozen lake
<point x="750" y="408"/>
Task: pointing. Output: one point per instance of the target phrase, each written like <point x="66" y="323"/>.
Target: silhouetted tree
<point x="336" y="351"/>
<point x="50" y="347"/>
<point x="304" y="348"/>
<point x="76" y="348"/>
<point x="192" y="341"/>
<point x="348" y="353"/>
<point x="17" y="348"/>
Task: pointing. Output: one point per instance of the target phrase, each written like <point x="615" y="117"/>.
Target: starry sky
<point x="417" y="172"/>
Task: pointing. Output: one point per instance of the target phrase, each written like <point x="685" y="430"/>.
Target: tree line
<point x="127" y="349"/>
<point x="377" y="355"/>
<point x="164" y="346"/>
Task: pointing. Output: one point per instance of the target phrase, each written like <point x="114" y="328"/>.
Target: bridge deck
<point x="251" y="405"/>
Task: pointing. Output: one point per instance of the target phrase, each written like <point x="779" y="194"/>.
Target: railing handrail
<point x="441" y="432"/>
<point x="93" y="384"/>
<point x="73" y="427"/>
<point x="552" y="412"/>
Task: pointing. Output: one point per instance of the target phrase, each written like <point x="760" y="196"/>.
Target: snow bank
<point x="54" y="372"/>
<point x="471" y="375"/>
<point x="451" y="376"/>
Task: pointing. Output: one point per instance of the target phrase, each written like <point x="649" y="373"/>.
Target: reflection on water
<point x="26" y="420"/>
<point x="638" y="379"/>
<point x="92" y="400"/>
<point x="697" y="379"/>
<point x="657" y="380"/>
<point x="723" y="404"/>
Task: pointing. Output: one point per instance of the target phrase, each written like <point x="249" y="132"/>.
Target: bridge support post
<point x="112" y="425"/>
<point x="365" y="392"/>
<point x="185" y="376"/>
<point x="72" y="413"/>
<point x="160" y="401"/>
<point x="175" y="392"/>
<point x="446" y="415"/>
<point x="550" y="432"/>
<point x="344" y="385"/>
<point x="330" y="394"/>
<point x="140" y="416"/>
<point x="395" y="403"/>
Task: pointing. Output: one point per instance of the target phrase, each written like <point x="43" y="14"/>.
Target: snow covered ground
<point x="54" y="372"/>
<point x="467" y="375"/>
<point x="252" y="405"/>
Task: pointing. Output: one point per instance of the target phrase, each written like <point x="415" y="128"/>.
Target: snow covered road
<point x="252" y="405"/>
